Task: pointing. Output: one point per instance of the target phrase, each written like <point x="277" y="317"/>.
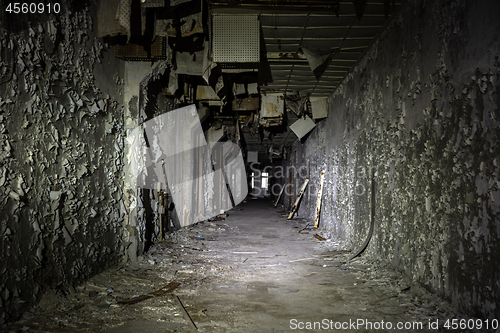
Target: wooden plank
<point x="318" y="237"/>
<point x="318" y="203"/>
<point x="165" y="290"/>
<point x="279" y="196"/>
<point x="296" y="204"/>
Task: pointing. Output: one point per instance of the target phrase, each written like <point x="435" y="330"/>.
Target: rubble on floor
<point x="251" y="272"/>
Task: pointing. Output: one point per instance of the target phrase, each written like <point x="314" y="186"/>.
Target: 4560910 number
<point x="33" y="8"/>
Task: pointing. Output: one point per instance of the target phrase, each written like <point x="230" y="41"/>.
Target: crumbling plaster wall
<point x="421" y="110"/>
<point x="61" y="154"/>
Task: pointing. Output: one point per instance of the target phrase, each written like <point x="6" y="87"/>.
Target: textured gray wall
<point x="61" y="153"/>
<point x="422" y="109"/>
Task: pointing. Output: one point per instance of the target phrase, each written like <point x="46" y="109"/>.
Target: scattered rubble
<point x="179" y="287"/>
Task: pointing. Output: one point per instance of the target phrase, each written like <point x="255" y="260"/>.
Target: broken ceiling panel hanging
<point x="296" y="104"/>
<point x="319" y="108"/>
<point x="271" y="111"/>
<point x="250" y="103"/>
<point x="190" y="64"/>
<point x="206" y="93"/>
<point x="302" y="126"/>
<point x="107" y="25"/>
<point x="318" y="60"/>
<point x="123" y="14"/>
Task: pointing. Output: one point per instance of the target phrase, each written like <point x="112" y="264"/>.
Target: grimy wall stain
<point x="421" y="110"/>
<point x="61" y="152"/>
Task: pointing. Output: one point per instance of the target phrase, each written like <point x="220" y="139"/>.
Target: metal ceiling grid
<point x="236" y="38"/>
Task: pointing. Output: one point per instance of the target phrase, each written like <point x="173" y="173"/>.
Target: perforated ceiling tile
<point x="236" y="38"/>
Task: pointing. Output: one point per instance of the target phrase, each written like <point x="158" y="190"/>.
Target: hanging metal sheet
<point x="190" y="64"/>
<point x="246" y="104"/>
<point x="206" y="93"/>
<point x="271" y="110"/>
<point x="319" y="108"/>
<point x="302" y="126"/>
<point x="239" y="89"/>
<point x="253" y="88"/>
<point x="318" y="60"/>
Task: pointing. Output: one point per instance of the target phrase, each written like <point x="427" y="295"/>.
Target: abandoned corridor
<point x="113" y="130"/>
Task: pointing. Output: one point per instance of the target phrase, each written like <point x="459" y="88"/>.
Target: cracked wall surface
<point x="422" y="111"/>
<point x="61" y="154"/>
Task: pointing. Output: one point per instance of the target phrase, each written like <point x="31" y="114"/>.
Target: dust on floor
<point x="253" y="271"/>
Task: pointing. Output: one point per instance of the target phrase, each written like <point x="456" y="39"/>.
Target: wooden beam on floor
<point x="185" y="314"/>
<point x="279" y="196"/>
<point x="318" y="203"/>
<point x="296" y="204"/>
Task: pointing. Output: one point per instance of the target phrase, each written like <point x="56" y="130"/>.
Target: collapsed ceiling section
<point x="263" y="65"/>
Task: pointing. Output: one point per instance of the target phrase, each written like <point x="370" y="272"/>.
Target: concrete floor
<point x="252" y="272"/>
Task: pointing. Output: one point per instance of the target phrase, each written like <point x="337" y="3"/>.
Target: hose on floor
<point x="363" y="246"/>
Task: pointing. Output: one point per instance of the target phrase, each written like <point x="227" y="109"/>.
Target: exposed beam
<point x="326" y="27"/>
<point x="318" y="38"/>
<point x="288" y="5"/>
<point x="295" y="56"/>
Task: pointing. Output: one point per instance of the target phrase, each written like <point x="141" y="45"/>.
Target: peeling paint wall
<point x="135" y="73"/>
<point x="61" y="154"/>
<point x="421" y="110"/>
